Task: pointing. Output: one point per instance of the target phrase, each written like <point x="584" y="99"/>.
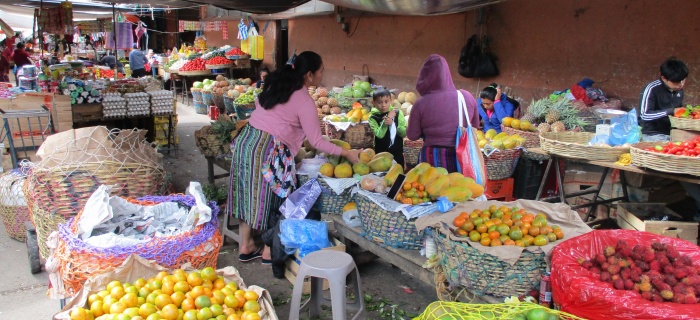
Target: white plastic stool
<point x="333" y="266"/>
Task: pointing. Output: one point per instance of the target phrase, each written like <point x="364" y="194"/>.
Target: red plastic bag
<point x="470" y="160"/>
<point x="579" y="292"/>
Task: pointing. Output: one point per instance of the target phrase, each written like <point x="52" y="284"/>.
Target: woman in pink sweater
<point x="263" y="169"/>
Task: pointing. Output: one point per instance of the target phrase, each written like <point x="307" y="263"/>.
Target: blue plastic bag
<point x="624" y="129"/>
<point x="306" y="235"/>
<point x="299" y="203"/>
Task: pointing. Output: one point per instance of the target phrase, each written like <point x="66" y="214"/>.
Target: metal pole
<point x="41" y="34"/>
<point x="114" y="38"/>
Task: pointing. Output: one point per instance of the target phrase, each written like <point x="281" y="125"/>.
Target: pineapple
<point x="552" y="116"/>
<point x="528" y="117"/>
<point x="558" y="126"/>
<point x="544" y="127"/>
<point x="574" y="122"/>
<point x="538" y="109"/>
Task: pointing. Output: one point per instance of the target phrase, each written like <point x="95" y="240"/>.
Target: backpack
<point x="475" y="60"/>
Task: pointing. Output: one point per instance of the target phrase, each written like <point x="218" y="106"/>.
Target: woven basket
<point x="575" y="145"/>
<point x="484" y="274"/>
<point x="218" y="101"/>
<point x="685" y="124"/>
<point x="243" y="111"/>
<point x="238" y="57"/>
<point x="663" y="162"/>
<point x="13" y="207"/>
<point x="218" y="66"/>
<point x="194" y="73"/>
<point x="501" y="164"/>
<point x="200" y="108"/>
<point x="328" y="202"/>
<point x="321" y="123"/>
<point x="358" y="136"/>
<point x="228" y="105"/>
<point x="411" y="151"/>
<point x="208" y="98"/>
<point x="209" y="143"/>
<point x="387" y="228"/>
<point x="196" y="95"/>
<point x="532" y="139"/>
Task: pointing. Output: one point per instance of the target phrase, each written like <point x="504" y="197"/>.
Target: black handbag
<point x="476" y="60"/>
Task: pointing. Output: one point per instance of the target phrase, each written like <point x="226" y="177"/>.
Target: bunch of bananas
<point x="624" y="159"/>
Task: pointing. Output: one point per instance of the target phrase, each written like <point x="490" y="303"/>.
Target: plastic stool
<point x="333" y="266"/>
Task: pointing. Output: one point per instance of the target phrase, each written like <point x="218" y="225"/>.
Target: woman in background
<point x="494" y="106"/>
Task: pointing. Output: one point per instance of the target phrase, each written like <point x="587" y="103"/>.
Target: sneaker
<point x="247" y="257"/>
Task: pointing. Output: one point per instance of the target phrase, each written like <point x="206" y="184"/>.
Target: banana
<point x="624" y="159"/>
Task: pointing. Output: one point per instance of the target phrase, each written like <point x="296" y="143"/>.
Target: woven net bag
<point x="209" y="143"/>
<point x="13" y="206"/>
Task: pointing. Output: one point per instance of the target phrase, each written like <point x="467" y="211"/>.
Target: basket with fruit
<point x="236" y="53"/>
<point x="545" y="115"/>
<point x="499" y="249"/>
<point x="501" y="152"/>
<point x="510" y="310"/>
<point x="575" y="145"/>
<point x="139" y="289"/>
<point x="626" y="274"/>
<point x="351" y="127"/>
<point x="674" y="157"/>
<point x="687" y="118"/>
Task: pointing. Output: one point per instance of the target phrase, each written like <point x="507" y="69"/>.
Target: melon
<point x="402" y="97"/>
<point x="220" y="78"/>
<point x="411" y="98"/>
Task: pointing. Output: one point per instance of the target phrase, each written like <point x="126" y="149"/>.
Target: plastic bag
<point x="581" y="293"/>
<point x="306" y="235"/>
<point x="310" y="167"/>
<point x="299" y="203"/>
<point x="470" y="160"/>
<point x="374" y="183"/>
<point x="352" y="218"/>
<point x="624" y="129"/>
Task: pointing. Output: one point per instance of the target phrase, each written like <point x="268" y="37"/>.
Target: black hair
<point x="280" y="84"/>
<point x="379" y="93"/>
<point x="265" y="69"/>
<point x="674" y="70"/>
<point x="489" y="92"/>
<point x="20" y="45"/>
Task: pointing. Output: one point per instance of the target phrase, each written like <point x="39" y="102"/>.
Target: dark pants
<point x="138" y="73"/>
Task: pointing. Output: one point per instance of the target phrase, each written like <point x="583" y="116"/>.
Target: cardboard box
<point x="584" y="174"/>
<point x="683" y="135"/>
<point x="292" y="266"/>
<point x="671" y="193"/>
<point x="633" y="216"/>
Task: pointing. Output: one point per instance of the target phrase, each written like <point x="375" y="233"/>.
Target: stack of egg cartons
<point x="137" y="104"/>
<point x="161" y="102"/>
<point x="113" y="106"/>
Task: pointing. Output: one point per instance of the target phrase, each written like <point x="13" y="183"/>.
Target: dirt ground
<point x="386" y="288"/>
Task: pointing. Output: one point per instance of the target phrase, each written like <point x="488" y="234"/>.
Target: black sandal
<point x="247" y="257"/>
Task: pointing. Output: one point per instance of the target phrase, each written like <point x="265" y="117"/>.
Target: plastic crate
<point x="528" y="176"/>
<point x="500" y="189"/>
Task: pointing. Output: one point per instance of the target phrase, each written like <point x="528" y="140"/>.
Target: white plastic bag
<point x="352" y="218"/>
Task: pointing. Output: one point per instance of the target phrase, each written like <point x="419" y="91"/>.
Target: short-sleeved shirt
<point x="21" y="57"/>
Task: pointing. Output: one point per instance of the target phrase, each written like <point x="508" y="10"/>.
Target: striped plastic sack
<point x="470" y="160"/>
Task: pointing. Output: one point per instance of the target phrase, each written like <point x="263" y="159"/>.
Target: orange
<point x="504" y="209"/>
<point x="207" y="284"/>
<point x="538" y="223"/>
<point x="216" y="310"/>
<point x="496" y="243"/>
<point x="196" y="292"/>
<point x="559" y="234"/>
<point x="181" y="286"/>
<point x="190" y="315"/>
<point x="250" y="316"/>
<point x="517" y="223"/>
<point x="96" y="308"/>
<point x="517" y="216"/>
<point x="162" y="300"/>
<point x="497" y="214"/>
<point x="231" y="301"/>
<point x="177" y="298"/>
<point x="458" y="222"/>
<point x="503" y="229"/>
<point x="151" y="298"/>
<point x="202" y="302"/>
<point x="496" y="221"/>
<point x="493" y="208"/>
<point x="209" y="273"/>
<point x="93" y="297"/>
<point x="415" y="185"/>
<point x="477" y="221"/>
<point x="161" y="275"/>
<point x="494" y="235"/>
<point x="113" y="284"/>
<point x="407" y="186"/>
<point x="169" y="312"/>
<point x="107" y="303"/>
<point x="194" y="279"/>
<point x="421" y="187"/>
<point x="489" y="223"/>
<point x="528" y="217"/>
<point x="227" y="291"/>
<point x="204" y="314"/>
<point x="219" y="283"/>
<point x="534" y="231"/>
<point x="509" y="242"/>
<point x="515" y="234"/>
<point x="117" y="292"/>
<point x="130" y="300"/>
<point x="540" y="240"/>
<point x="167" y="287"/>
<point x="144" y="292"/>
<point x="147" y="309"/>
<point x="251" y="295"/>
<point x="117" y="307"/>
<point x="251" y="306"/>
<point x="503" y="238"/>
<point x="551" y="237"/>
<point x="541" y="215"/>
<point x="232" y="285"/>
<point x="481" y="228"/>
<point x="475" y="236"/>
<point x="79" y="314"/>
<point x="188" y="304"/>
<point x="468" y="225"/>
<point x="462" y="233"/>
<point x="474" y="215"/>
<point x="154" y="316"/>
<point x="528" y="239"/>
<point x="546" y="229"/>
<point x="155" y="284"/>
<point x="507" y="221"/>
<point x="464" y="215"/>
<point x="520" y="243"/>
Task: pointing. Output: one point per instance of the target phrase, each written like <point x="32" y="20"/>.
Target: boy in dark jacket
<point x="660" y="98"/>
<point x="388" y="126"/>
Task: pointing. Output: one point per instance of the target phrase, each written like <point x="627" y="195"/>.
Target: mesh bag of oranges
<point x="141" y="288"/>
<point x="73" y="261"/>
<point x="440" y="310"/>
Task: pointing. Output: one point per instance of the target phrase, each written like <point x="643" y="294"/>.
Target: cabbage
<point x="366" y="86"/>
<point x="347" y="92"/>
<point x="357" y="84"/>
<point x="358" y="93"/>
<point x="198" y="85"/>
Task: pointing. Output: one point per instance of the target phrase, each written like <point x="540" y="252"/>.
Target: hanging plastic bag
<point x="470" y="160"/>
<point x="306" y="235"/>
<point x="256" y="43"/>
<point x="624" y="129"/>
<point x="299" y="203"/>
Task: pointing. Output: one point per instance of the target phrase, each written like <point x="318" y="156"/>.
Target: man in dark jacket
<point x="660" y="98"/>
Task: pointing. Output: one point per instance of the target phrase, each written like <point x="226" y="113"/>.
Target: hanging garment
<point x="125" y="39"/>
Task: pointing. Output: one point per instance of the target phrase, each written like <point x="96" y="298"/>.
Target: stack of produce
<point x="339" y="167"/>
<point x="196" y="64"/>
<point x="424" y="183"/>
<point x="137" y="104"/>
<point x="245" y="98"/>
<point x="547" y="115"/>
<point x="218" y="61"/>
<point x="325" y="104"/>
<point x="501" y="141"/>
<point x="161" y="102"/>
<point x="176" y="64"/>
<point x="358" y="89"/>
<point x="405" y="101"/>
<point x="113" y="106"/>
<point x="235" y="52"/>
<point x="356" y="115"/>
<point x="689" y="112"/>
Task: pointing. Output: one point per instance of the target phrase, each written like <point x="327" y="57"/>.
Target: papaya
<point x="360" y="168"/>
<point x="370" y="152"/>
<point x="342" y="170"/>
<point x="456" y="194"/>
<point x="476" y="189"/>
<point x="460" y="183"/>
<point x="341" y="144"/>
<point x="500" y="136"/>
<point x="393" y="173"/>
<point x="454" y="176"/>
<point x="442" y="171"/>
<point x="366" y="155"/>
<point x="428" y="176"/>
<point x="414" y="174"/>
<point x="383" y="155"/>
<point x="380" y="164"/>
<point x="436" y="186"/>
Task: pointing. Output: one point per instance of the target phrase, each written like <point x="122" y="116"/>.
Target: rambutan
<point x="690" y="299"/>
<point x="619" y="284"/>
<point x="605" y="276"/>
<point x="639" y="249"/>
<point x="645" y="278"/>
<point x="677" y="264"/>
<point x="635" y="256"/>
<point x="648" y="256"/>
<point x="621" y="244"/>
<point x="678" y="298"/>
<point x="587" y="264"/>
<point x="647" y="295"/>
<point x="672" y="253"/>
<point x="615" y="277"/>
<point x="654" y="265"/>
<point x="670" y="280"/>
<point x="642" y="265"/>
<point x="635" y="276"/>
<point x="604" y="266"/>
<point x="663" y="260"/>
<point x="600" y="258"/>
<point x="609" y="251"/>
<point x="658" y="246"/>
<point x="614" y="269"/>
<point x="625" y="273"/>
<point x="667" y="294"/>
<point x="629" y="285"/>
<point x="654" y="273"/>
<point x="636" y="288"/>
<point x="626" y="252"/>
<point x="594" y="270"/>
<point x="668" y="269"/>
<point x="679" y="288"/>
<point x="612" y="260"/>
<point x="657" y="297"/>
<point x="679" y="274"/>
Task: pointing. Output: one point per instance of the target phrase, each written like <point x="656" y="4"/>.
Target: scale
<point x="604" y="117"/>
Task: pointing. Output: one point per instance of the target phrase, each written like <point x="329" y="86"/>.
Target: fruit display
<point x="497" y="226"/>
<point x="169" y="296"/>
<point x="658" y="272"/>
<point x="218" y="60"/>
<point x="547" y="115"/>
<point x="246" y="98"/>
<point x="197" y="64"/>
<point x="690" y="148"/>
<point x="355" y="115"/>
<point x="425" y="183"/>
<point x="216" y="52"/>
<point x="405" y="101"/>
<point x="500" y="141"/>
<point x="689" y="112"/>
<point x="235" y="52"/>
<point x="177" y="64"/>
<point x="358" y="89"/>
<point x="339" y="167"/>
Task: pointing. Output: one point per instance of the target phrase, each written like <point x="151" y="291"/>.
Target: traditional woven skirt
<point x="439" y="157"/>
<point x="250" y="197"/>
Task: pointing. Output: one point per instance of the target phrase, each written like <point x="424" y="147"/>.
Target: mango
<point x="380" y="164"/>
<point x="500" y="136"/>
<point x="454" y="176"/>
<point x="341" y="143"/>
<point x="327" y="169"/>
<point x="428" y="176"/>
<point x="383" y="155"/>
<point x="442" y="171"/>
<point x="343" y="170"/>
<point x="436" y="186"/>
<point x="360" y="168"/>
<point x="456" y="194"/>
<point x="393" y="173"/>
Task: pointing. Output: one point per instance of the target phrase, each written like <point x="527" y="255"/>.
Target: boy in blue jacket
<point x="493" y="107"/>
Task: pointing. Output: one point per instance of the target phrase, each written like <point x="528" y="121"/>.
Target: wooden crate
<point x="87" y="112"/>
<point x="292" y="266"/>
<point x="632" y="216"/>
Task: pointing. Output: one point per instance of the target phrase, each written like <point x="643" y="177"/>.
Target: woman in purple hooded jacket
<point x="435" y="116"/>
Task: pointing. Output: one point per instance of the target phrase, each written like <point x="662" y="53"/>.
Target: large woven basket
<point x="194" y="73"/>
<point x="243" y="111"/>
<point x="209" y="143"/>
<point x="532" y="139"/>
<point x="663" y="162"/>
<point x="228" y="105"/>
<point x="218" y="100"/>
<point x="484" y="274"/>
<point x="387" y="228"/>
<point x="13" y="206"/>
<point x="328" y="202"/>
<point x="358" y="136"/>
<point x="196" y="96"/>
<point x="411" y="151"/>
<point x="501" y="164"/>
<point x="685" y="124"/>
<point x="321" y="123"/>
<point x="575" y="145"/>
<point x="219" y="66"/>
<point x="208" y="98"/>
<point x="200" y="107"/>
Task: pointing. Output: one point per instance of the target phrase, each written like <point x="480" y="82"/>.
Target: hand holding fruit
<point x="352" y="155"/>
<point x="388" y="120"/>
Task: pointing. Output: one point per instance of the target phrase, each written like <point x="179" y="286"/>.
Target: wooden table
<point x="409" y="261"/>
